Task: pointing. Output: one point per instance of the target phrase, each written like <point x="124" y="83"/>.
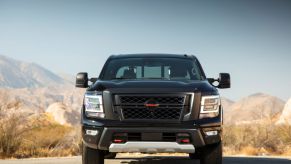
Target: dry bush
<point x="249" y="150"/>
<point x="35" y="136"/>
<point x="50" y="140"/>
<point x="43" y="138"/>
<point x="284" y="132"/>
<point x="257" y="139"/>
<point x="11" y="135"/>
<point x="12" y="128"/>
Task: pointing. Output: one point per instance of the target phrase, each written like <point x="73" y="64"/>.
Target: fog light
<point x="118" y="141"/>
<point x="211" y="133"/>
<point x="185" y="141"/>
<point x="183" y="138"/>
<point x="92" y="132"/>
<point x="119" y="138"/>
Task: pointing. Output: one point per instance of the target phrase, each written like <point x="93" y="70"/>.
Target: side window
<point x="120" y="71"/>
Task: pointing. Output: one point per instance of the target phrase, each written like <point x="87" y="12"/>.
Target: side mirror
<point x="82" y="80"/>
<point x="224" y="80"/>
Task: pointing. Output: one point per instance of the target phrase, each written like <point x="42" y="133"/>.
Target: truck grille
<point x="141" y="100"/>
<point x="167" y="107"/>
<point x="157" y="113"/>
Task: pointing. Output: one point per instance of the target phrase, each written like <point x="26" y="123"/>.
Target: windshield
<point x="152" y="68"/>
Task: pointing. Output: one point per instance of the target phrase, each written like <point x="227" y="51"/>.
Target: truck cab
<point x="152" y="103"/>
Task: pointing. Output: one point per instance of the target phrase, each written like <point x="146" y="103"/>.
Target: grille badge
<point x="151" y="103"/>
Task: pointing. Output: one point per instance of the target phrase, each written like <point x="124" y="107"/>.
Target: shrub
<point x="257" y="139"/>
<point x="11" y="131"/>
<point x="36" y="136"/>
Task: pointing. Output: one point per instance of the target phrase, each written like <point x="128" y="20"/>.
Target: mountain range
<point x="257" y="107"/>
<point x="18" y="74"/>
<point x="38" y="90"/>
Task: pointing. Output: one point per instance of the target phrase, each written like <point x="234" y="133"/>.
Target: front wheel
<point x="212" y="154"/>
<point x="92" y="156"/>
<point x="196" y="155"/>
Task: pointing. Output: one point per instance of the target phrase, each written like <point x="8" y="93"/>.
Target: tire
<point x="195" y="155"/>
<point x="212" y="154"/>
<point x="110" y="155"/>
<point x="92" y="156"/>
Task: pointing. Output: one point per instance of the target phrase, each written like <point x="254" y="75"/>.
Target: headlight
<point x="93" y="105"/>
<point x="209" y="106"/>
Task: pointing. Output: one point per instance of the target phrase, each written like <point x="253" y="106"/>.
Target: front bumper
<point x="103" y="140"/>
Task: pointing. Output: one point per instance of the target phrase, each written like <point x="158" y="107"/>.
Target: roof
<point x="152" y="55"/>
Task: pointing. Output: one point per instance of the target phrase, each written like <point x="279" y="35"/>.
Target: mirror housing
<point x="224" y="80"/>
<point x="82" y="80"/>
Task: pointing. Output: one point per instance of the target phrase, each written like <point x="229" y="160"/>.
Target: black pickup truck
<point x="152" y="103"/>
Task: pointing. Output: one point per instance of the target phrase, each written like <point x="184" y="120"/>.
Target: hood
<point x="152" y="86"/>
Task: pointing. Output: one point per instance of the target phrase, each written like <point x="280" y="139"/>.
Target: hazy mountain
<point x="31" y="89"/>
<point x="285" y="118"/>
<point x="68" y="78"/>
<point x="18" y="74"/>
<point x="39" y="100"/>
<point x="257" y="107"/>
<point x="226" y="103"/>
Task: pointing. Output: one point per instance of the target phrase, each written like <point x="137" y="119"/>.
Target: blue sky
<point x="250" y="39"/>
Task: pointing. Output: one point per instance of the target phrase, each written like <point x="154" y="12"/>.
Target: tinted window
<point x="152" y="68"/>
